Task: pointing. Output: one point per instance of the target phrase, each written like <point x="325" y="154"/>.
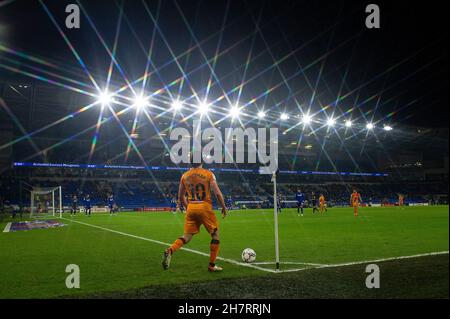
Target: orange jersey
<point x="355" y="198"/>
<point x="197" y="181"/>
<point x="322" y="199"/>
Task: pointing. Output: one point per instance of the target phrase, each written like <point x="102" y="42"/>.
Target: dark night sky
<point x="401" y="69"/>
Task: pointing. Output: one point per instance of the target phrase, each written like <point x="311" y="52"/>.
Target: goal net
<point x="46" y="202"/>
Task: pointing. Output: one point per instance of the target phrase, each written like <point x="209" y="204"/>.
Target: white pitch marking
<point x="231" y="261"/>
<point x="370" y="261"/>
<point x="286" y="263"/>
<point x="7" y="228"/>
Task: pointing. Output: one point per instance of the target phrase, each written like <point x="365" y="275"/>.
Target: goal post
<point x="45" y="202"/>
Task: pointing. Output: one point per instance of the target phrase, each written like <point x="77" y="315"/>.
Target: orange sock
<point x="177" y="244"/>
<point x="214" y="247"/>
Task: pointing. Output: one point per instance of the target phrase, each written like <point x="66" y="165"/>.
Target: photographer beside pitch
<point x="197" y="182"/>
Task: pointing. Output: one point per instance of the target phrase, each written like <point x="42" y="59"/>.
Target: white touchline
<point x="370" y="261"/>
<point x="7" y="228"/>
<point x="231" y="261"/>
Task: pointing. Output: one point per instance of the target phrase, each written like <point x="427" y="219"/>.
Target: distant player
<point x="87" y="205"/>
<point x="180" y="207"/>
<point x="355" y="200"/>
<point x="111" y="204"/>
<point x="322" y="204"/>
<point x="47" y="204"/>
<point x="74" y="209"/>
<point x="198" y="183"/>
<point x="173" y="205"/>
<point x="229" y="203"/>
<point x="314" y="203"/>
<point x="300" y="198"/>
<point x="279" y="203"/>
<point x="401" y="200"/>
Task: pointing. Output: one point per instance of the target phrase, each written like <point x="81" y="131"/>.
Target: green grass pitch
<point x="121" y="256"/>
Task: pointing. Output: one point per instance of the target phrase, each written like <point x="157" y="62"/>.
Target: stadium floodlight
<point x="370" y="126"/>
<point x="104" y="98"/>
<point x="331" y="121"/>
<point x="348" y="123"/>
<point x="261" y="114"/>
<point x="387" y="128"/>
<point x="235" y="111"/>
<point x="140" y="102"/>
<point x="284" y="117"/>
<point x="177" y="105"/>
<point x="203" y="108"/>
<point x="306" y="119"/>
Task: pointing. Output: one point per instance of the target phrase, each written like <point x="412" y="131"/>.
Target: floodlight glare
<point x="140" y="102"/>
<point x="177" y="105"/>
<point x="261" y="114"/>
<point x="203" y="108"/>
<point x="104" y="98"/>
<point x="306" y="119"/>
<point x="387" y="128"/>
<point x="284" y="117"/>
<point x="348" y="123"/>
<point x="235" y="111"/>
<point x="331" y="122"/>
<point x="369" y="126"/>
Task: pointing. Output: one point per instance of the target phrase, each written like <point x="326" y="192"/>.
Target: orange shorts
<point x="355" y="204"/>
<point x="198" y="214"/>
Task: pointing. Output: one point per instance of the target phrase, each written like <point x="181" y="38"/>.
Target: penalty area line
<point x="231" y="261"/>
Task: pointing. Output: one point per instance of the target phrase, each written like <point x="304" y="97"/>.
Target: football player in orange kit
<point x="355" y="199"/>
<point x="322" y="204"/>
<point x="197" y="183"/>
<point x="401" y="200"/>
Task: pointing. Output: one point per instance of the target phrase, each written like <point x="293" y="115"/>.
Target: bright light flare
<point x="261" y="114"/>
<point x="306" y="119"/>
<point x="348" y="123"/>
<point x="235" y="111"/>
<point x="203" y="108"/>
<point x="331" y="121"/>
<point x="104" y="98"/>
<point x="177" y="105"/>
<point x="284" y="117"/>
<point x="387" y="128"/>
<point x="370" y="126"/>
<point x="140" y="102"/>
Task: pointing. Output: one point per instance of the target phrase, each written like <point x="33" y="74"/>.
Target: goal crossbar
<point x="46" y="191"/>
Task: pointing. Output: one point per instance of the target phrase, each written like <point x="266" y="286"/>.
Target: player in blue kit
<point x="300" y="198"/>
<point x="173" y="205"/>
<point x="229" y="202"/>
<point x="279" y="203"/>
<point x="111" y="204"/>
<point x="87" y="205"/>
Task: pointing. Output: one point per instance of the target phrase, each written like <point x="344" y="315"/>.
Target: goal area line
<point x="256" y="264"/>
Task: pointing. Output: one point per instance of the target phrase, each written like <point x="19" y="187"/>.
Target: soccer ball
<point x="248" y="255"/>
